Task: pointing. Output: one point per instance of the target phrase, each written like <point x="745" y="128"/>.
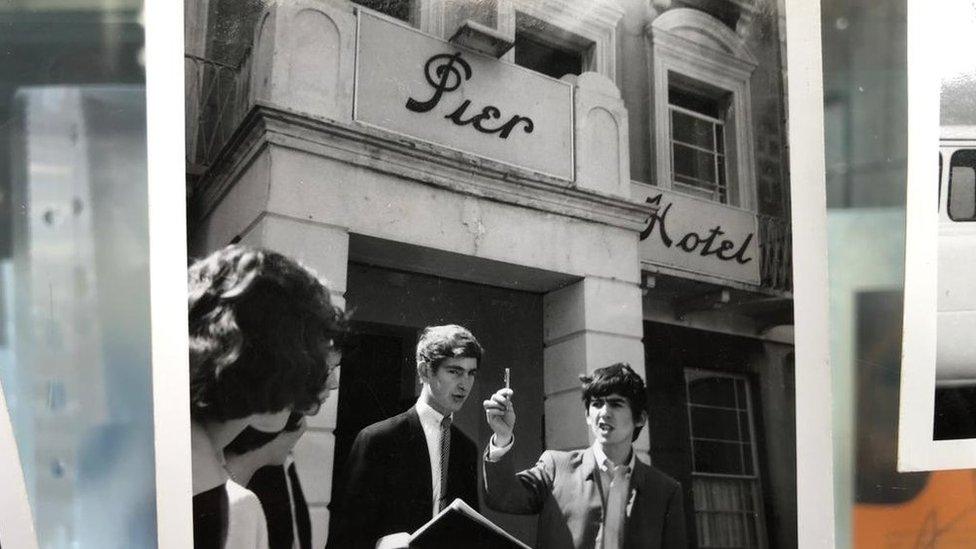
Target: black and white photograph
<point x="548" y="242"/>
<point x="955" y="396"/>
<point x="938" y="396"/>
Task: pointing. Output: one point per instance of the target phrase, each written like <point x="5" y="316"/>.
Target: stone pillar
<point x="304" y="57"/>
<point x="602" y="139"/>
<point x="777" y="389"/>
<point x="325" y="249"/>
<point x="590" y="324"/>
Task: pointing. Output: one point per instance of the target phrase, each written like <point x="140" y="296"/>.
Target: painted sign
<point x="420" y="86"/>
<point x="699" y="236"/>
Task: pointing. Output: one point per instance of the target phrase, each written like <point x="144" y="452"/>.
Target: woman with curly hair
<point x="264" y="347"/>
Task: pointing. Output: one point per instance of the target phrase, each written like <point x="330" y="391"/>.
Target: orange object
<point x="942" y="515"/>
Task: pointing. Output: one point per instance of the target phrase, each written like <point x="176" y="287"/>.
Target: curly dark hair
<point x="261" y="328"/>
<point x="439" y="343"/>
<point x="619" y="379"/>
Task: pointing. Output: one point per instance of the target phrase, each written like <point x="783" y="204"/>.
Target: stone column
<point x="590" y="324"/>
<point x="325" y="249"/>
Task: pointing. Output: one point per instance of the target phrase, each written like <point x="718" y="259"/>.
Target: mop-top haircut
<point x="618" y="379"/>
<point x="261" y="328"/>
<point x="439" y="343"/>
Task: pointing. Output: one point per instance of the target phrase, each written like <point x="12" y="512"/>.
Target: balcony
<point x="216" y="102"/>
<point x="776" y="249"/>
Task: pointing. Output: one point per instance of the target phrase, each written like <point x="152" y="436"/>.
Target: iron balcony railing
<point x="216" y="102"/>
<point x="776" y="249"/>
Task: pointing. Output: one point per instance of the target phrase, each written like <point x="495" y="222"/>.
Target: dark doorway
<point x="378" y="381"/>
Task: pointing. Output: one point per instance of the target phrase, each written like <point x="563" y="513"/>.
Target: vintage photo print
<point x="938" y="395"/>
<point x="570" y="238"/>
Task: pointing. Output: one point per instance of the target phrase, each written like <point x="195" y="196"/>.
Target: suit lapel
<point x="591" y="480"/>
<point x="636" y="505"/>
<point x="418" y="456"/>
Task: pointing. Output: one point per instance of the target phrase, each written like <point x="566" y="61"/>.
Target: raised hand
<point x="500" y="413"/>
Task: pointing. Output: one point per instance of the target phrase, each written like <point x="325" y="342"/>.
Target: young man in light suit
<point x="601" y="497"/>
<point x="403" y="470"/>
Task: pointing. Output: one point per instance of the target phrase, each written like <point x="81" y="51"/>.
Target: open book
<point x="458" y="525"/>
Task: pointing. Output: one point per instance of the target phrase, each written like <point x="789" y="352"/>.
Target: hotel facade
<point x="578" y="182"/>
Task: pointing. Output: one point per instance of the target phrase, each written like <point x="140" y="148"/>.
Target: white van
<point x="956" y="351"/>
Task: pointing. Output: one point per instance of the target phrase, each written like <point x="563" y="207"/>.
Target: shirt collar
<point x="602" y="460"/>
<point x="428" y="415"/>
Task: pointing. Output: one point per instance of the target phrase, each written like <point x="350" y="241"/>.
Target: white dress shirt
<point x="430" y="420"/>
<point x="606" y="467"/>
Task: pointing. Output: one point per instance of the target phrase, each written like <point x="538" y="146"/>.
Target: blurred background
<point x="865" y="102"/>
<point x="74" y="301"/>
<point x="74" y="310"/>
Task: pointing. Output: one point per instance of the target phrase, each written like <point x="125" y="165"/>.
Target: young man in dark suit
<point x="601" y="497"/>
<point x="403" y="470"/>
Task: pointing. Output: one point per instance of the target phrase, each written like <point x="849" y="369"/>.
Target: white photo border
<point x="917" y="451"/>
<point x="167" y="214"/>
<point x="167" y="271"/>
<point x="814" y="443"/>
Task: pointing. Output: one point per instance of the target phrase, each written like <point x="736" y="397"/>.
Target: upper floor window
<point x="702" y="109"/>
<point x="698" y="148"/>
<point x="560" y="37"/>
<point x="538" y="50"/>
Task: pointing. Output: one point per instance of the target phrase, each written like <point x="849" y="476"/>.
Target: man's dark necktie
<point x="445" y="459"/>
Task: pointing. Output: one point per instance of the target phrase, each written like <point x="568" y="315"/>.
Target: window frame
<point x="687" y="44"/>
<point x="721" y="183"/>
<point x="587" y="27"/>
<point x="754" y="480"/>
<point x="546" y="34"/>
<point x="948" y="195"/>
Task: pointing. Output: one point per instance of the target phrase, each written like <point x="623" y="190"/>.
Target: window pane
<point x="693" y="163"/>
<point x="725" y="512"/>
<point x="962" y="186"/>
<point x="713" y="391"/>
<point x="694" y="101"/>
<point x="714" y="423"/>
<point x="717" y="457"/>
<point x="696" y="189"/>
<point x="720" y="138"/>
<point x="691" y="130"/>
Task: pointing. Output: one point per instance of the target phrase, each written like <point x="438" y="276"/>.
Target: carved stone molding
<point x="376" y="150"/>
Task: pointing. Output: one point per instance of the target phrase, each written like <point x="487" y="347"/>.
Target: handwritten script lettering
<point x="708" y="244"/>
<point x="445" y="73"/>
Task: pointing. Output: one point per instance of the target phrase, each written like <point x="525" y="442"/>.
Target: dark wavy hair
<point x="439" y="343"/>
<point x="261" y="327"/>
<point x="619" y="379"/>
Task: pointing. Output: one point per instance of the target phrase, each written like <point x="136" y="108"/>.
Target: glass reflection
<point x="74" y="287"/>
